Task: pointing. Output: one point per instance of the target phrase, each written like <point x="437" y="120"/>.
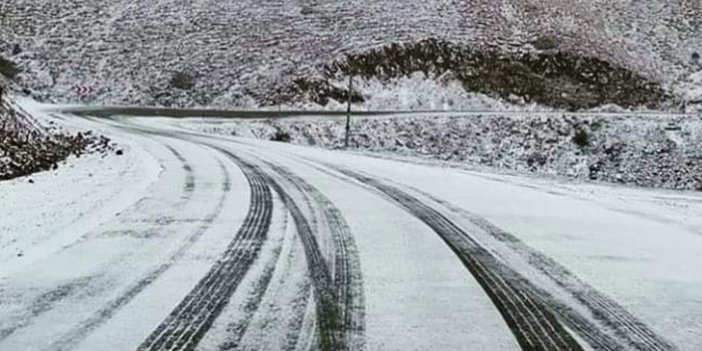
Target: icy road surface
<point x="192" y="241"/>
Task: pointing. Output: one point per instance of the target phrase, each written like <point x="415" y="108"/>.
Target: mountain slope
<point x="242" y="53"/>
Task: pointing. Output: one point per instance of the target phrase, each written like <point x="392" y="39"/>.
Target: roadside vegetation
<point x="651" y="151"/>
<point x="550" y="78"/>
<point x="281" y="136"/>
<point x="182" y="80"/>
<point x="8" y="68"/>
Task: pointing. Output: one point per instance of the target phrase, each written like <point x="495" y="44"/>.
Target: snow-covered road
<point x="191" y="241"/>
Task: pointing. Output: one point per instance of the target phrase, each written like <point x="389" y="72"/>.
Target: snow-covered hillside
<point x="243" y="53"/>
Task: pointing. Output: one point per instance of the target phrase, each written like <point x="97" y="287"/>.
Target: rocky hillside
<point x="218" y="53"/>
<point x="27" y="147"/>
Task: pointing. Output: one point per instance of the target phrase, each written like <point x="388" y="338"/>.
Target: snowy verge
<point x="38" y="209"/>
<point x="644" y="150"/>
<point x="41" y="209"/>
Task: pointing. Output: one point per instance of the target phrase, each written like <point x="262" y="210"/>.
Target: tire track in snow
<point x="328" y="314"/>
<point x="189" y="188"/>
<point x="337" y="317"/>
<point x="284" y="318"/>
<point x="327" y="309"/>
<point x="70" y="339"/>
<point x="625" y="326"/>
<point x="329" y="323"/>
<point x="618" y="322"/>
<point x="237" y="329"/>
<point x="533" y="323"/>
<point x="347" y="276"/>
<point x="185" y="326"/>
<point x="45" y="302"/>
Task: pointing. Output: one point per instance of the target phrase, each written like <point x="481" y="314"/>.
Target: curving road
<point x="192" y="241"/>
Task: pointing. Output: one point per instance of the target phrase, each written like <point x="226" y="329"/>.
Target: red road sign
<point x="83" y="90"/>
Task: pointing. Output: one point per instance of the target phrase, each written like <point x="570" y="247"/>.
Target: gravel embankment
<point x="652" y="151"/>
<point x="26" y="146"/>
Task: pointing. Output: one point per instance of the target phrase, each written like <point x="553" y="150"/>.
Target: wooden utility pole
<point x="279" y="98"/>
<point x="348" y="112"/>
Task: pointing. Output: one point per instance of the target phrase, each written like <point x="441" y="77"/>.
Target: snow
<point x="691" y="92"/>
<point x="131" y="324"/>
<point x="99" y="228"/>
<point x="128" y="52"/>
<point x="102" y="234"/>
<point x="644" y="149"/>
<point x="639" y="246"/>
<point x="282" y="257"/>
<point x="92" y="188"/>
<point x="421" y="93"/>
<point x="418" y="295"/>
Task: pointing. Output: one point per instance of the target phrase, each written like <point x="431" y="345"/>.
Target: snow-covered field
<point x="239" y="51"/>
<point x="198" y="241"/>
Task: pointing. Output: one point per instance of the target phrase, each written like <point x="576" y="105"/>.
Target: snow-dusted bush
<point x="581" y="137"/>
<point x="8" y="68"/>
<point x="281" y="135"/>
<point x="182" y="80"/>
<point x="690" y="91"/>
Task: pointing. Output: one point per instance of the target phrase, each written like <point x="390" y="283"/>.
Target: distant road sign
<point x="83" y="90"/>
